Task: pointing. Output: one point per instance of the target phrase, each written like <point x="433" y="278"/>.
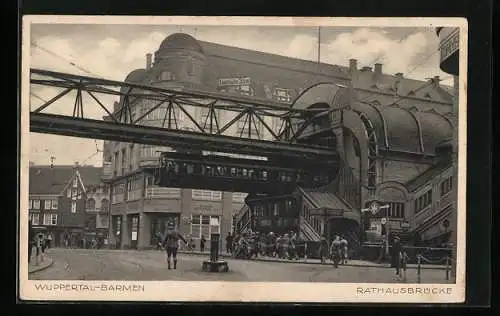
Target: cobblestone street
<point x="81" y="264"/>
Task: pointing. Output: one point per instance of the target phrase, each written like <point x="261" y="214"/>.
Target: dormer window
<point x="167" y="76"/>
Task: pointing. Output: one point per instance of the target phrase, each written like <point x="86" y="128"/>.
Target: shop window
<point x="204" y="225"/>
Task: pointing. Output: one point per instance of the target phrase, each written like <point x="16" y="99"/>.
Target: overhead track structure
<point x="123" y="125"/>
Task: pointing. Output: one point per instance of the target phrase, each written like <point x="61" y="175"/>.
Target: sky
<point x="113" y="51"/>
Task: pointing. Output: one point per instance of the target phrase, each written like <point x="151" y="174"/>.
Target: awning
<point x="330" y="201"/>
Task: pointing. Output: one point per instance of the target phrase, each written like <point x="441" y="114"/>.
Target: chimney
<point x="366" y="68"/>
<point x="149" y="58"/>
<point x="353" y="65"/>
<point x="399" y="74"/>
<point x="378" y="69"/>
<point x="436" y="80"/>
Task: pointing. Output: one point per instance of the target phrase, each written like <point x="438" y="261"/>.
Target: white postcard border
<point x="243" y="291"/>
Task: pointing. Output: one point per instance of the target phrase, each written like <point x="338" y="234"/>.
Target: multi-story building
<point x="57" y="200"/>
<point x="405" y="121"/>
<point x="97" y="213"/>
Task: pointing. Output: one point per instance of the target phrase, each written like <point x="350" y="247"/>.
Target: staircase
<point x="307" y="230"/>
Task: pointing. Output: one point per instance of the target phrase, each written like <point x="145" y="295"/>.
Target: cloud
<point x="114" y="55"/>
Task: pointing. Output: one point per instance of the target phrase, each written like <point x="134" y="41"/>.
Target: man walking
<point x="172" y="237"/>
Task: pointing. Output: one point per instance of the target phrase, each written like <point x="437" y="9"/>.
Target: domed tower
<point x="180" y="58"/>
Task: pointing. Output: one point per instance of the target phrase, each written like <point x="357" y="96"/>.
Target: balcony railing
<point x="162" y="193"/>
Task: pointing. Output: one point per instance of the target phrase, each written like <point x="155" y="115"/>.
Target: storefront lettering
<point x="234" y="81"/>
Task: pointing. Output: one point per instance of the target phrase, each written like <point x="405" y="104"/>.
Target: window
<point x="207" y="195"/>
<point x="423" y="201"/>
<point x="90" y="204"/>
<point x="396" y="210"/>
<point x="55" y="204"/>
<point x="53" y="219"/>
<point x="118" y="193"/>
<point x="134" y="189"/>
<point x="204" y="225"/>
<point x="131" y="157"/>
<point x="35" y="219"/>
<point x="47" y="219"/>
<point x="124" y="158"/>
<point x="105" y="205"/>
<point x="167" y="76"/>
<point x="36" y="204"/>
<point x="116" y="168"/>
<point x="30" y="205"/>
<point x="73" y="206"/>
<point x="47" y="205"/>
<point x="283" y="95"/>
<point x="446" y="186"/>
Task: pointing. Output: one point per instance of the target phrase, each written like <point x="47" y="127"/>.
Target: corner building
<point x="402" y="145"/>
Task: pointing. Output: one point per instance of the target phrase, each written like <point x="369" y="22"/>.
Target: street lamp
<point x="374" y="208"/>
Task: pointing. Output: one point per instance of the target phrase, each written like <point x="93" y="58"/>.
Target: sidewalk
<point x="47" y="262"/>
<point x="351" y="263"/>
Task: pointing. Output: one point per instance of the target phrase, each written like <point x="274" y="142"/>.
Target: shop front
<point x="159" y="223"/>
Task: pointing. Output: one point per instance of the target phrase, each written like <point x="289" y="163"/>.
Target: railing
<point x="310" y="234"/>
<point x="162" y="193"/>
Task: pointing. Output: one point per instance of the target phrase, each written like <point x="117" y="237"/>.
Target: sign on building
<point x="224" y="82"/>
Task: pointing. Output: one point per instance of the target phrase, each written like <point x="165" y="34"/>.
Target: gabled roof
<point x="53" y="180"/>
<point x="325" y="199"/>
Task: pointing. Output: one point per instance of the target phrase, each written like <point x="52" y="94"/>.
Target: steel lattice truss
<point x="211" y="133"/>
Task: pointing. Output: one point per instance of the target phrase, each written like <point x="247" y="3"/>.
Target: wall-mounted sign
<point x="223" y="82"/>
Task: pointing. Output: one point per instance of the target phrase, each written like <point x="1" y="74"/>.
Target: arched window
<point x="90" y="204"/>
<point x="104" y="205"/>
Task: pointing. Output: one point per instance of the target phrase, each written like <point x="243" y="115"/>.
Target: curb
<point x="49" y="263"/>
<point x="319" y="263"/>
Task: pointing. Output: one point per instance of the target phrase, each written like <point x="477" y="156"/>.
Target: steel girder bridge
<point x="83" y="96"/>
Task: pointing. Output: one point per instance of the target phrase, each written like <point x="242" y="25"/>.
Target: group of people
<point x="337" y="251"/>
<point x="40" y="242"/>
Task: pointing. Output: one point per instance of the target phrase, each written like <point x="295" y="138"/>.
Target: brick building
<point x="405" y="119"/>
<point x="57" y="201"/>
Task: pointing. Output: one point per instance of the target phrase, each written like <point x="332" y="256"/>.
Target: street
<point x="85" y="264"/>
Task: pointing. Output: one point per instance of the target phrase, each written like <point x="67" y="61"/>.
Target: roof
<point x="325" y="200"/>
<point x="411" y="130"/>
<point x="424" y="178"/>
<point x="52" y="180"/>
<point x="387" y="87"/>
<point x="181" y="41"/>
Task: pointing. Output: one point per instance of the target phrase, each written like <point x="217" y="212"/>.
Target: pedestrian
<point x="343" y="247"/>
<point x="335" y="250"/>
<point x="323" y="249"/>
<point x="396" y="255"/>
<point x="202" y="243"/>
<point x="172" y="238"/>
<point x="229" y="243"/>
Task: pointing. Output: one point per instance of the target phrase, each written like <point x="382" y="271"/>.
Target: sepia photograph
<point x="241" y="159"/>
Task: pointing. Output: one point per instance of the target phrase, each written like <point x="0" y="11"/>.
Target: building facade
<point x="406" y="119"/>
<point x="57" y="201"/>
<point x="97" y="214"/>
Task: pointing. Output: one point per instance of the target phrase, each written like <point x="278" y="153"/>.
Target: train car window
<point x="251" y="173"/>
<point x="264" y="175"/>
<point x="233" y="172"/>
<point x="189" y="168"/>
<point x="244" y="172"/>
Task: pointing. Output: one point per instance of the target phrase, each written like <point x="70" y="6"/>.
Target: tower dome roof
<point x="181" y="41"/>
